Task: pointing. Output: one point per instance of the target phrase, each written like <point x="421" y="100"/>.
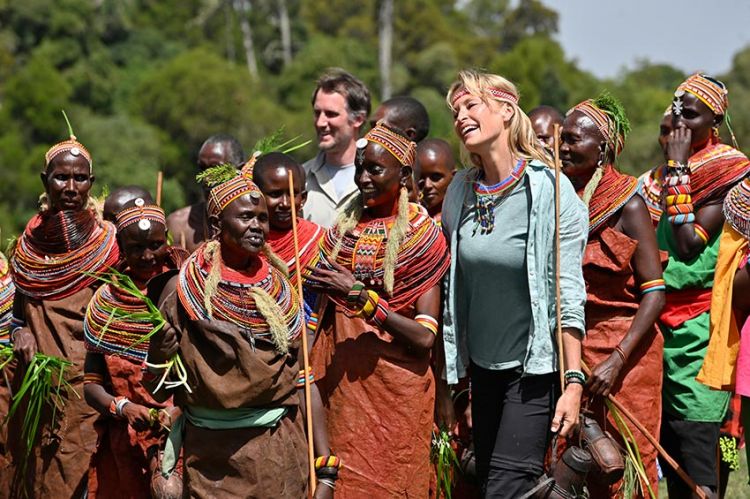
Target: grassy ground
<point x="737" y="488"/>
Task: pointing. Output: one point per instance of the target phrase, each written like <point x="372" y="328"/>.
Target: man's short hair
<point x="408" y="112"/>
<point x="236" y="155"/>
<point x="342" y="82"/>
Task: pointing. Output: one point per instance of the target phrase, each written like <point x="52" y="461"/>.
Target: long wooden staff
<point x="558" y="306"/>
<point x="663" y="453"/>
<point x="305" y="354"/>
<point x="159" y="185"/>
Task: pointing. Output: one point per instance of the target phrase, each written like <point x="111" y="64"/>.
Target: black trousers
<point x="693" y="445"/>
<point x="511" y="417"/>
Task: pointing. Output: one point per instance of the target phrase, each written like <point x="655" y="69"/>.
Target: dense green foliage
<point x="145" y="82"/>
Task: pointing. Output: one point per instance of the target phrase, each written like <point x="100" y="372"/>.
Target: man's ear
<point x="718" y="120"/>
<point x="92" y="179"/>
<point x="303" y="197"/>
<point x="44" y="178"/>
<point x="215" y="223"/>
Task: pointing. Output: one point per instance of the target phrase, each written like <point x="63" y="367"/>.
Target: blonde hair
<point x="522" y="140"/>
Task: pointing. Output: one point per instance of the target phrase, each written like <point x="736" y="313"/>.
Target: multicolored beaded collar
<point x="489" y="196"/>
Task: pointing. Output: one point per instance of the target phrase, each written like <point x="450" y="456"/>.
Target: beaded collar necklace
<point x="488" y="197"/>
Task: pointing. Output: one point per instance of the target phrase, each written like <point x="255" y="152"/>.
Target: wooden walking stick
<point x="159" y="185"/>
<point x="558" y="309"/>
<point x="305" y="353"/>
<point x="663" y="453"/>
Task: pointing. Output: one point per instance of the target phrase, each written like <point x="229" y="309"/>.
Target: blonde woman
<point x="499" y="317"/>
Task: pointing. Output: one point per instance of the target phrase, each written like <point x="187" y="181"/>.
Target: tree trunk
<point x="229" y="30"/>
<point x="385" y="36"/>
<point x="242" y="7"/>
<point x="286" y="32"/>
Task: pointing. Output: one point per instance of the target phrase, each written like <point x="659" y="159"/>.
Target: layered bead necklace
<point x="7" y="291"/>
<point x="489" y="197"/>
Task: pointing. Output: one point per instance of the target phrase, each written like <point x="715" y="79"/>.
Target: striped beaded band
<point x="428" y="322"/>
<point x="574" y="376"/>
<point x="493" y="91"/>
<point x="223" y="194"/>
<point x="737" y="208"/>
<point x="312" y="322"/>
<point x="403" y="149"/>
<point x="142" y="215"/>
<point x="701" y="232"/>
<point x="327" y="462"/>
<point x="603" y="123"/>
<point x="651" y="286"/>
<point x="301" y="377"/>
<point x="711" y="92"/>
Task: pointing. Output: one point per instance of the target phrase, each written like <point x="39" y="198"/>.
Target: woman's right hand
<point x="24" y="345"/>
<point x="678" y="144"/>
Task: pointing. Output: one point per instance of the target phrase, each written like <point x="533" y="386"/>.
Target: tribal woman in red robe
<point x="53" y="266"/>
<point x="380" y="269"/>
<point x="621" y="266"/>
<point x="129" y="428"/>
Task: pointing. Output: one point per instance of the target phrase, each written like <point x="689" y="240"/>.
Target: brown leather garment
<point x="379" y="400"/>
<point x="225" y="371"/>
<point x="612" y="301"/>
<point x="58" y="465"/>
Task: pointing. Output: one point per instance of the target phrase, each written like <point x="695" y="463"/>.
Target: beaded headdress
<point x="403" y="149"/>
<point x="609" y="117"/>
<point x="142" y="214"/>
<point x="713" y="93"/>
<point x="227" y="184"/>
<point x="737" y="208"/>
<point x="70" y="145"/>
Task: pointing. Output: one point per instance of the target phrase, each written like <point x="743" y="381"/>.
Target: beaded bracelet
<point x="574" y="381"/>
<point x="574" y="374"/>
<point x="701" y="233"/>
<point x="329" y="461"/>
<point x="353" y="297"/>
<point x="301" y="377"/>
<point x="381" y="312"/>
<point x="117" y="404"/>
<point x="428" y="322"/>
<point x="678" y="198"/>
<point x="368" y="309"/>
<point x="651" y="286"/>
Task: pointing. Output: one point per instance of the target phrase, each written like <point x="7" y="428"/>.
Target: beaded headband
<point x="141" y="214"/>
<point x="712" y="93"/>
<point x="225" y="193"/>
<point x="603" y="122"/>
<point x="403" y="149"/>
<point x="737" y="208"/>
<point x="71" y="145"/>
<point x="495" y="92"/>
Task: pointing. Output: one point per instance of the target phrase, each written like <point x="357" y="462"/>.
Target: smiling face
<point x="696" y="116"/>
<point x="478" y="123"/>
<point x="67" y="182"/>
<point x="336" y="128"/>
<point x="242" y="228"/>
<point x="379" y="176"/>
<point x="144" y="250"/>
<point x="274" y="183"/>
<point x="582" y="146"/>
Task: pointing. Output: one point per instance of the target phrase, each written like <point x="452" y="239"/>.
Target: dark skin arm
<point x="162" y="346"/>
<point x="339" y="281"/>
<point x="710" y="217"/>
<point x="97" y="397"/>
<point x="445" y="415"/>
<point x="24" y="345"/>
<point x="634" y="222"/>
